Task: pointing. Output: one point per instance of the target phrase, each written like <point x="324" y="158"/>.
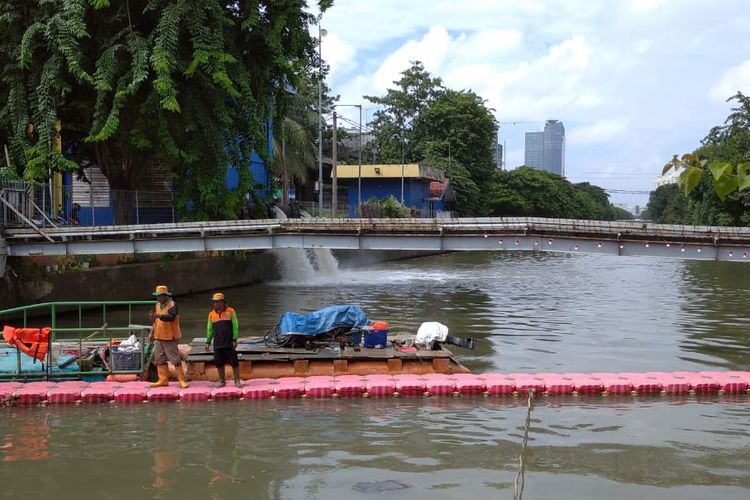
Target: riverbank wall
<point x="46" y="282"/>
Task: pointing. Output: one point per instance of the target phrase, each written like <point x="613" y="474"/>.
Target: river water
<point x="529" y="312"/>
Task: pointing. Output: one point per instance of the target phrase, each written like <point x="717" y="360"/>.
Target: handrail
<point x="80" y="334"/>
<point x="86" y="303"/>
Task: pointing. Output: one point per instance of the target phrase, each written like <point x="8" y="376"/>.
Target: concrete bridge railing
<point x="467" y="234"/>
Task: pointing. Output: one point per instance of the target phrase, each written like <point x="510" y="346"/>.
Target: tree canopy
<point x="188" y="84"/>
<point x="714" y="180"/>
<point x="528" y="192"/>
<point x="422" y="121"/>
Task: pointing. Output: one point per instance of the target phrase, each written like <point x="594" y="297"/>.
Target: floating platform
<point x="258" y="360"/>
<point x="384" y="386"/>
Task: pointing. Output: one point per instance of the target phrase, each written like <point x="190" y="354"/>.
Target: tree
<point x="714" y="178"/>
<point x="451" y="130"/>
<point x="528" y="192"/>
<point x="463" y="128"/>
<point x="467" y="192"/>
<point x="724" y="154"/>
<point x="392" y="126"/>
<point x="187" y="84"/>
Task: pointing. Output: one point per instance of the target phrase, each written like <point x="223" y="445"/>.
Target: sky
<point x="633" y="81"/>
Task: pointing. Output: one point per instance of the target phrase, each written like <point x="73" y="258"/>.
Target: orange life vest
<point x="33" y="342"/>
<point x="166" y="330"/>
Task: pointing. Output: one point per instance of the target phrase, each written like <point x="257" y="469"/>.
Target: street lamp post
<point x="359" y="171"/>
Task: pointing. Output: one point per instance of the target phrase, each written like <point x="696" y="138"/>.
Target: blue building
<point x="97" y="203"/>
<point x="425" y="190"/>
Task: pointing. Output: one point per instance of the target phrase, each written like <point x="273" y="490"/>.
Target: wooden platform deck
<point x="260" y="361"/>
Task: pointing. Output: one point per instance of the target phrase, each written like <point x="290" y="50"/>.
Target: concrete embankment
<point x="25" y="284"/>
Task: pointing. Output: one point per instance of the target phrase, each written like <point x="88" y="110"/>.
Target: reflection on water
<point x="438" y="447"/>
<point x="530" y="312"/>
<point x="714" y="314"/>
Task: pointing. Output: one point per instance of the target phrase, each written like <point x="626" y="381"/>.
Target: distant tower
<point x="546" y="150"/>
<point x="534" y="153"/>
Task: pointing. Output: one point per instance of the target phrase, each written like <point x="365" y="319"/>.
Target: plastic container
<point x="124" y="360"/>
<point x="376" y="338"/>
<point x="355" y="338"/>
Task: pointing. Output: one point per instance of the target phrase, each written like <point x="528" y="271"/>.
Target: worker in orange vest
<point x="166" y="332"/>
<point x="223" y="329"/>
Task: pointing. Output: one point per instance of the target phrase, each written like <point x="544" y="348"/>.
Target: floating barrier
<point x="379" y="386"/>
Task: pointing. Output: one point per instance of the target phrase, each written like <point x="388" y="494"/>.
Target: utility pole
<point x="359" y="160"/>
<point x="320" y="118"/>
<point x="334" y="174"/>
<point x="359" y="174"/>
<point x="402" y="164"/>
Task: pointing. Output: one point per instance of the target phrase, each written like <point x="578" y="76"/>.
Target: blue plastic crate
<point x="376" y="338"/>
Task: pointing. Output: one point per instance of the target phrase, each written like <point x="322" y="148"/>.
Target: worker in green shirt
<point x="223" y="329"/>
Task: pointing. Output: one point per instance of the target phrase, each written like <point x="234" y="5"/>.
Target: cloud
<point x="734" y="79"/>
<point x="644" y="6"/>
<point x="621" y="75"/>
<point x="339" y="55"/>
<point x="431" y="50"/>
<point x="598" y="132"/>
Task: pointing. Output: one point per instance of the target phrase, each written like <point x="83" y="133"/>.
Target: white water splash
<point x="301" y="266"/>
<point x="327" y="263"/>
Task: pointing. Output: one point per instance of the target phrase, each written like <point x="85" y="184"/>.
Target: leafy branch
<point x="725" y="179"/>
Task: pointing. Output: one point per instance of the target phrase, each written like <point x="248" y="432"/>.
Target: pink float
<point x="319" y="387"/>
<point x="30" y="395"/>
<point x="499" y="385"/>
<point x="410" y="385"/>
<point x="64" y="395"/>
<point x="438" y="384"/>
<point x="380" y="386"/>
<point x="524" y="382"/>
<point x="261" y="388"/>
<point x="168" y="393"/>
<point x="468" y="383"/>
<point x="98" y="392"/>
<point x="615" y="383"/>
<point x="290" y="387"/>
<point x="350" y="385"/>
<point x="585" y="383"/>
<point x="731" y="382"/>
<point x="131" y="392"/>
<point x="383" y="385"/>
<point x="644" y="384"/>
<point x="195" y="393"/>
<point x="557" y="384"/>
<point x="673" y="384"/>
<point x="226" y="393"/>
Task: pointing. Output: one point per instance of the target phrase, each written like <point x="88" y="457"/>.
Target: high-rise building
<point x="534" y="151"/>
<point x="546" y="150"/>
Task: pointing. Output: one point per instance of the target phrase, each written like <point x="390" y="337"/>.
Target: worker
<point x="166" y="332"/>
<point x="223" y="328"/>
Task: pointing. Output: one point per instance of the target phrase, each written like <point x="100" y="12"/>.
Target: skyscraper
<point x="534" y="154"/>
<point x="546" y="150"/>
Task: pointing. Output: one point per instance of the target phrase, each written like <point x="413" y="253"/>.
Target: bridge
<point x="624" y="238"/>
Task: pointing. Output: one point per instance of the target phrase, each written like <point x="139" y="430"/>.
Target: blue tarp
<point x="322" y="320"/>
<point x="9" y="363"/>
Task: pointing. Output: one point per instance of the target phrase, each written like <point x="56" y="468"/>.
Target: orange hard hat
<point x="217" y="296"/>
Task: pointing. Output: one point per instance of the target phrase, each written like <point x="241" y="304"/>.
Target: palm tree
<point x="294" y="148"/>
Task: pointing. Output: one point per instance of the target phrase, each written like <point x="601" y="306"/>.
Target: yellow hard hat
<point x="217" y="296"/>
<point x="161" y="290"/>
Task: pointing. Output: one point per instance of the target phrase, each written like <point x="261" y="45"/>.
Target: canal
<point x="528" y="312"/>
